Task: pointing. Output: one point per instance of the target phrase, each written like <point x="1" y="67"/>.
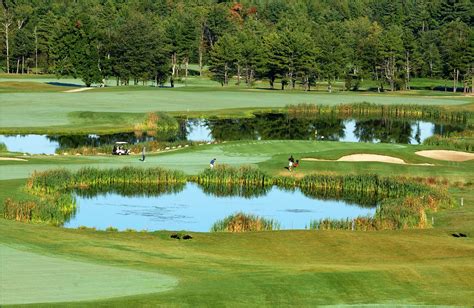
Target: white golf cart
<point x="120" y="148"/>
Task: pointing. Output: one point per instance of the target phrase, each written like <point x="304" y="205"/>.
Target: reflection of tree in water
<point x="76" y="141"/>
<point x="330" y="129"/>
<point x="232" y="129"/>
<point x="273" y="126"/>
<point x="384" y="130"/>
<point x="417" y="136"/>
<point x="447" y="129"/>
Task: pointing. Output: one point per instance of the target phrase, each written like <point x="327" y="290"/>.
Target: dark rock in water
<point x="187" y="237"/>
<point x="455" y="235"/>
<point x="176" y="236"/>
<point x="462" y="235"/>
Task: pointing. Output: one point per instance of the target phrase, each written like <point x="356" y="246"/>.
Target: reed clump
<point x="451" y="142"/>
<point x="362" y="223"/>
<point x="224" y="174"/>
<point x="241" y="222"/>
<point x="52" y="200"/>
<point x="392" y="214"/>
<point x="369" y="110"/>
<point x="61" y="179"/>
<point x="155" y="123"/>
<point x="54" y="209"/>
<point x="366" y="184"/>
<point x="402" y="202"/>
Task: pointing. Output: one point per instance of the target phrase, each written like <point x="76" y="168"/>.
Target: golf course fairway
<point x="28" y="277"/>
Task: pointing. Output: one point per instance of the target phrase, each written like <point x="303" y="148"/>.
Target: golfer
<point x="291" y="161"/>
<point x="143" y="154"/>
<point x="211" y="164"/>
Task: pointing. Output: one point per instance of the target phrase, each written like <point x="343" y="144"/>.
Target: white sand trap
<point x="77" y="90"/>
<point x="373" y="157"/>
<point x="368" y="158"/>
<point x="12" y="158"/>
<point x="446" y="155"/>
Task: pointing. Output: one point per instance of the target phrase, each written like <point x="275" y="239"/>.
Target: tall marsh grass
<point x="402" y="203"/>
<point x="369" y="110"/>
<point x="53" y="209"/>
<point x="51" y="191"/>
<point x="224" y="174"/>
<point x="241" y="222"/>
<point x="391" y="214"/>
<point x="156" y="123"/>
<point x="61" y="179"/>
<point x="451" y="142"/>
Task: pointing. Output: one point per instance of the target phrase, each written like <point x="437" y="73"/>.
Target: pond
<point x="192" y="209"/>
<point x="279" y="126"/>
<point x="44" y="144"/>
<point x="269" y="126"/>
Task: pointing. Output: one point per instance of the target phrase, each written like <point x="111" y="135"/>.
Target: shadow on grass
<point x="63" y="84"/>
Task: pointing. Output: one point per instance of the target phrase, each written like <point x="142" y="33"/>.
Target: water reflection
<point x="196" y="209"/>
<point x="265" y="126"/>
<point x="279" y="126"/>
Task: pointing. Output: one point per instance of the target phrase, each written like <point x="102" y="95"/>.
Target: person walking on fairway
<point x="212" y="163"/>
<point x="143" y="154"/>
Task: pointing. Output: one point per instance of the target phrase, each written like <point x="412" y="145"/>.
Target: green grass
<point x="59" y="279"/>
<point x="270" y="156"/>
<point x="278" y="268"/>
<point x="22" y="107"/>
<point x="302" y="268"/>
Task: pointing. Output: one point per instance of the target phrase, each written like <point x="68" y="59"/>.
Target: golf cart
<point x="119" y="148"/>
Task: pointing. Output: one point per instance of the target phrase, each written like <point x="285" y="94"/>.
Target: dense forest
<point x="293" y="43"/>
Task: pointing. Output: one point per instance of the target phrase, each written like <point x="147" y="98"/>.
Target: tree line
<point x="290" y="43"/>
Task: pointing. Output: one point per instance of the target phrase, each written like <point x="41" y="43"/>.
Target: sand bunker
<point x="77" y="90"/>
<point x="368" y="158"/>
<point x="446" y="155"/>
<point x="12" y="158"/>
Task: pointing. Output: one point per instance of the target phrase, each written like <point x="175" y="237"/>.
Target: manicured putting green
<point x="32" y="278"/>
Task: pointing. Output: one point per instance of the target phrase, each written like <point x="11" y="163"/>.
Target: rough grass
<point x="416" y="267"/>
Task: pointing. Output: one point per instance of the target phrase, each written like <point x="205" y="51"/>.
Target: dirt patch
<point x="77" y="90"/>
<point x="446" y="155"/>
<point x="368" y="158"/>
<point x="294" y="174"/>
<point x="12" y="158"/>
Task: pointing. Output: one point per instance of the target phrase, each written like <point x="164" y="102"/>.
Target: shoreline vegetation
<point x="165" y="122"/>
<point x="166" y="127"/>
<point x="401" y="203"/>
<point x="364" y="110"/>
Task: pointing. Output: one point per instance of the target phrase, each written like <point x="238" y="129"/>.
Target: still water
<point x="261" y="127"/>
<point x="192" y="209"/>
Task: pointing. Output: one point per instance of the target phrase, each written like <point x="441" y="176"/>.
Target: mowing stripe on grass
<point x="32" y="278"/>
